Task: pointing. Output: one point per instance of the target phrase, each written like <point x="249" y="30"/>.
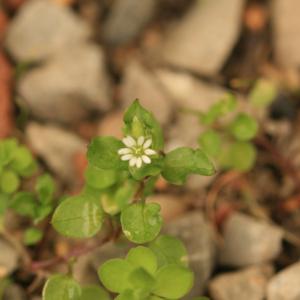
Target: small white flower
<point x="137" y="151"/>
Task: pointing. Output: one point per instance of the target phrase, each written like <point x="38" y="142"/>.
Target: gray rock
<point x="127" y="19"/>
<point x="43" y="27"/>
<point x="57" y="147"/>
<point x="247" y="284"/>
<point x="189" y="92"/>
<point x="70" y="85"/>
<point x="14" y="292"/>
<point x="142" y="84"/>
<point x="8" y="258"/>
<point x="285" y="285"/>
<point x="203" y="40"/>
<point x="198" y="237"/>
<point x="248" y="241"/>
<point x="286" y="25"/>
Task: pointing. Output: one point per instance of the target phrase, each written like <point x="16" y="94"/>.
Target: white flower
<point x="137" y="151"/>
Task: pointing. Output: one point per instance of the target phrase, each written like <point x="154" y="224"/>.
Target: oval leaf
<point x="173" y="282"/>
<point x="141" y="223"/>
<point x="94" y="292"/>
<point x="114" y="274"/>
<point x="103" y="153"/>
<point x="184" y="161"/>
<point x="78" y="217"/>
<point x="61" y="287"/>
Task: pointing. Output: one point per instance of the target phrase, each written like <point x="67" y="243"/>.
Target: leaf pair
<point x="143" y="275"/>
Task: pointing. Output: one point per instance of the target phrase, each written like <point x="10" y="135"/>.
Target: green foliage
<point x="183" y="161"/>
<point x="78" y="216"/>
<point x="220" y="109"/>
<point x="61" y="287"/>
<point x="103" y="153"/>
<point x="139" y="122"/>
<point x="210" y="141"/>
<point x="173" y="281"/>
<point x="240" y="156"/>
<point x="139" y="277"/>
<point x="94" y="292"/>
<point x="119" y="177"/>
<point x="263" y="93"/>
<point x="243" y="127"/>
<point x="169" y="250"/>
<point x="229" y="143"/>
<point x="32" y="236"/>
<point x="141" y="223"/>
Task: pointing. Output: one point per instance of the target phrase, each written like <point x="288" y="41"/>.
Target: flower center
<point x="138" y="151"/>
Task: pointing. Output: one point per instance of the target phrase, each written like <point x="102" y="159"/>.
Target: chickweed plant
<point x="119" y="177"/>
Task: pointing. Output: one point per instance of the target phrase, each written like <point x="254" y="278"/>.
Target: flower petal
<point x="146" y="159"/>
<point x="147" y="144"/>
<point x="138" y="162"/>
<point x="129" y="141"/>
<point x="127" y="157"/>
<point x="124" y="151"/>
<point x="132" y="162"/>
<point x="140" y="140"/>
<point x="150" y="152"/>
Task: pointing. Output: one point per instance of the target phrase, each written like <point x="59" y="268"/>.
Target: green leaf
<point x="103" y="153"/>
<point x="61" y="287"/>
<point x="78" y="217"/>
<point x="263" y="93"/>
<point x="210" y="142"/>
<point x="143" y="257"/>
<point x="24" y="204"/>
<point x="9" y="182"/>
<point x="30" y="170"/>
<point x="141" y="281"/>
<point x="4" y="200"/>
<point x="221" y="108"/>
<point x="184" y="161"/>
<point x="173" y="281"/>
<point x="114" y="275"/>
<point x="94" y="292"/>
<point x="116" y="199"/>
<point x="141" y="223"/>
<point x="42" y="212"/>
<point x="32" y="236"/>
<point x="128" y="295"/>
<point x="169" y="250"/>
<point x="152" y="169"/>
<point x="22" y="159"/>
<point x="7" y="150"/>
<point x="45" y="188"/>
<point x="100" y="178"/>
<point x="244" y="127"/>
<point x="140" y="122"/>
<point x="240" y="156"/>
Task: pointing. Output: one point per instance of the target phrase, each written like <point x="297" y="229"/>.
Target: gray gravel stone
<point x="247" y="284"/>
<point x="14" y="292"/>
<point x="286" y="24"/>
<point x="57" y="147"/>
<point x="71" y="84"/>
<point x="203" y="40"/>
<point x="127" y="19"/>
<point x="285" y="285"/>
<point x="248" y="241"/>
<point x="141" y="83"/>
<point x="8" y="258"/>
<point x="41" y="28"/>
<point x="198" y="237"/>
